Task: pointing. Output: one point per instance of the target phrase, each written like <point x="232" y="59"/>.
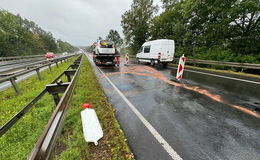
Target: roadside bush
<point x="215" y="53"/>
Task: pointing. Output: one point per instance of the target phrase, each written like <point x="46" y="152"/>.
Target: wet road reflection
<point x="199" y="120"/>
<point x="141" y="70"/>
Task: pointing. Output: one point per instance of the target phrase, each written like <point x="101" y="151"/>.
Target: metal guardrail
<point x="25" y="66"/>
<point x="219" y="63"/>
<point x="19" y="57"/>
<point x="29" y="68"/>
<point x="20" y="61"/>
<point x="43" y="147"/>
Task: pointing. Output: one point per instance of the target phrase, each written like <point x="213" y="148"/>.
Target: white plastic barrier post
<point x="91" y="127"/>
<point x="126" y="59"/>
<point x="180" y="67"/>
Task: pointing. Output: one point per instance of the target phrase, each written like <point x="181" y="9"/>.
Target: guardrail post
<point x="15" y="85"/>
<point x="74" y="66"/>
<point x="57" y="64"/>
<point x="49" y="67"/>
<point x="68" y="77"/>
<point x="38" y="73"/>
<point x="55" y="89"/>
<point x="69" y="73"/>
<point x="56" y="98"/>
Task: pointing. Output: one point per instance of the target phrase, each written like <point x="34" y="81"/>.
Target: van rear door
<point x="171" y="48"/>
<point x="167" y="50"/>
<point x="164" y="50"/>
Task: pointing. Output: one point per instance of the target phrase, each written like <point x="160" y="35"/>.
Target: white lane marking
<point x="237" y="79"/>
<point x="174" y="155"/>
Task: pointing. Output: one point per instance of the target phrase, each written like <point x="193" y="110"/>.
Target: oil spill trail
<point x="151" y="72"/>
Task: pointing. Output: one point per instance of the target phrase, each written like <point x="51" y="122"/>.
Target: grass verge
<point x="18" y="142"/>
<point x="71" y="143"/>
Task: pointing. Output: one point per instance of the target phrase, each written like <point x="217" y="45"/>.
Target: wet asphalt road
<point x="199" y="119"/>
<point x="6" y="65"/>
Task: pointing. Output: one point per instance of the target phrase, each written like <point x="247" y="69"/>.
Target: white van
<point x="156" y="51"/>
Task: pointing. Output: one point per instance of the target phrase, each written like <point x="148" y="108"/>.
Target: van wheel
<point x="152" y="62"/>
<point x="138" y="61"/>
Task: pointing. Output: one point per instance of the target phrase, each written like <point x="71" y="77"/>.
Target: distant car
<point x="50" y="55"/>
<point x="64" y="53"/>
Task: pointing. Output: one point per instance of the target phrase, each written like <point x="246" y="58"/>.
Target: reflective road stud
<point x="91" y="127"/>
<point x="180" y="67"/>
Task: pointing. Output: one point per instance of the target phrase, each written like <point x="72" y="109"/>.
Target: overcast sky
<point x="79" y="22"/>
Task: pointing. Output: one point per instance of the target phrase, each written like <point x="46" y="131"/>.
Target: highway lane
<point x="6" y="65"/>
<point x="198" y="119"/>
<point x="7" y="84"/>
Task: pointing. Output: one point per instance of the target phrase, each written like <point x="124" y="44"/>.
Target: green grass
<point x="18" y="142"/>
<point x="71" y="143"/>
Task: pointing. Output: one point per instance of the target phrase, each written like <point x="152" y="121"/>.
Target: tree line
<point x="20" y="36"/>
<point x="225" y="30"/>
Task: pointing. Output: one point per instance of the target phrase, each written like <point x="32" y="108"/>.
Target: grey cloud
<point x="78" y="22"/>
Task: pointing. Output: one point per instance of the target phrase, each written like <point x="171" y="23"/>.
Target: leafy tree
<point x="65" y="46"/>
<point x="172" y="24"/>
<point x="245" y="27"/>
<point x="135" y="22"/>
<point x="20" y="36"/>
<point x="49" y="42"/>
<point x="168" y="4"/>
<point x="114" y="36"/>
<point x="208" y="29"/>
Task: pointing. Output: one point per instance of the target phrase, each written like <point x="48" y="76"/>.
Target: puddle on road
<point x="125" y="87"/>
<point x="151" y="72"/>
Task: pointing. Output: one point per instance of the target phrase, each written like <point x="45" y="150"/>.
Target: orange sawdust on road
<point x="151" y="72"/>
